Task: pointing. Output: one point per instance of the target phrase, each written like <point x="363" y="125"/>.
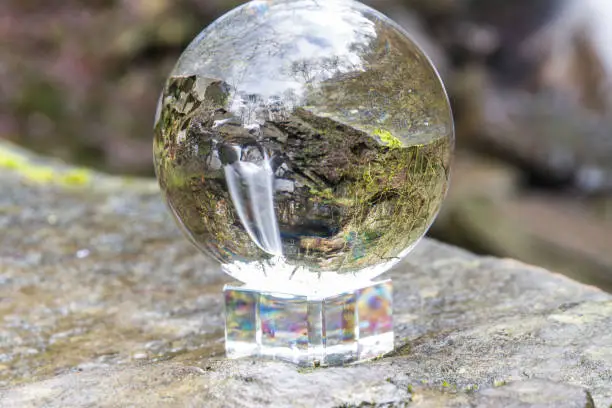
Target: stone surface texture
<point x="104" y="303"/>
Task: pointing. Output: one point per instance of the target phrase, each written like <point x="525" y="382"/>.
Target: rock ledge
<point x="105" y="304"/>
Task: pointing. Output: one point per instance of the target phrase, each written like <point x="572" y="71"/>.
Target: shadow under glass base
<point x="308" y="330"/>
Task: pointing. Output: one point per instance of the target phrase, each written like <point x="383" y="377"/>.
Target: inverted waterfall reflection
<point x="251" y="187"/>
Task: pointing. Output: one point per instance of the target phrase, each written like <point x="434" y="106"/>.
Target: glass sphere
<point x="304" y="142"/>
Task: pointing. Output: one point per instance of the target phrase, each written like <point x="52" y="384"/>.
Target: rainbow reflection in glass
<point x="339" y="329"/>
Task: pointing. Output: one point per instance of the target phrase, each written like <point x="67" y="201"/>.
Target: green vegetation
<point x="388" y="139"/>
<point x="42" y="174"/>
<point x="471" y="388"/>
<point x="499" y="383"/>
<point x="395" y="198"/>
<point x="326" y="194"/>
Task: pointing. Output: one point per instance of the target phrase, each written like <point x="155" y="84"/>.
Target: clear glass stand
<point x="337" y="329"/>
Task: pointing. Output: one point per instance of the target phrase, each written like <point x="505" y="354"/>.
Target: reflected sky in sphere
<point x="294" y="31"/>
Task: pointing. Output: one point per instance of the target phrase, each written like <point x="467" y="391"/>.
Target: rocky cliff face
<point x="104" y="303"/>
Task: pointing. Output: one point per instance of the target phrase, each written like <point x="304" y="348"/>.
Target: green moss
<point x="38" y="174"/>
<point x="76" y="177"/>
<point x="393" y="199"/>
<point x="326" y="194"/>
<point x="388" y="139"/>
<point x="499" y="383"/>
<point x="10" y="160"/>
<point x="42" y="174"/>
<point x="400" y="351"/>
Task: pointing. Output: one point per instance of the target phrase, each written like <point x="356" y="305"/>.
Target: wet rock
<point x="284" y="185"/>
<point x="102" y="301"/>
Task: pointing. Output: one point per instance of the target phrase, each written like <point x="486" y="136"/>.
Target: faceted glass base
<point x="309" y="330"/>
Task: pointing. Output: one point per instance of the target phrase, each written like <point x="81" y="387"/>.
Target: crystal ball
<point x="304" y="142"/>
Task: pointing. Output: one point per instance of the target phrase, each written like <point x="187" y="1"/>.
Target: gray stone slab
<point x="103" y="303"/>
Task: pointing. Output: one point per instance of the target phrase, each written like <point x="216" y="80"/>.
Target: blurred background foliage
<point x="530" y="83"/>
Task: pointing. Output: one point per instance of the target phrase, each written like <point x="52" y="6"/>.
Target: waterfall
<point x="251" y="187"/>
